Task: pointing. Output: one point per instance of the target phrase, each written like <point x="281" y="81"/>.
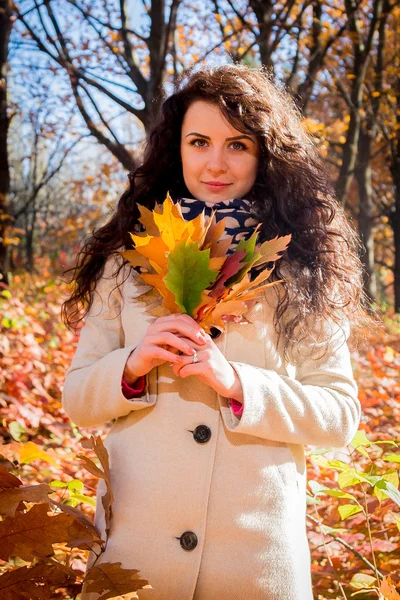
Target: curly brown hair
<point x="292" y="194"/>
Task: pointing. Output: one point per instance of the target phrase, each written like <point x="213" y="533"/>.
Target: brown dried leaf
<point x="270" y="248"/>
<point x="7" y="479"/>
<point x="214" y="231"/>
<point x="136" y="259"/>
<point x="146" y="218"/>
<point x="4" y="462"/>
<point x="86" y="526"/>
<point x="111" y="580"/>
<point x="36" y="531"/>
<point x="10" y="499"/>
<point x="34" y="583"/>
<point x="91" y="467"/>
<point x="95" y="443"/>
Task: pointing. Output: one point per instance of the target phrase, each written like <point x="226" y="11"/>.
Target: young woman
<point x="207" y="448"/>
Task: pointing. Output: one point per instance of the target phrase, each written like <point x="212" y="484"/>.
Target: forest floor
<point x="354" y="500"/>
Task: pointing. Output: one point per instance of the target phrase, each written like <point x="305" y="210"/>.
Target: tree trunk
<point x="362" y="47"/>
<point x="5" y="218"/>
<point x="349" y="157"/>
<point x="395" y="221"/>
<point x="264" y="12"/>
<point x="395" y="214"/>
<point x="365" y="212"/>
<point x="29" y="248"/>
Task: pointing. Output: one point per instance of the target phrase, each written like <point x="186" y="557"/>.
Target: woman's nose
<point x="217" y="163"/>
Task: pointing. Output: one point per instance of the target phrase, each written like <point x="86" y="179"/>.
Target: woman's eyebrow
<point x="229" y="139"/>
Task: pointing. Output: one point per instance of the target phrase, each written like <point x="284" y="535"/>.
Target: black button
<point x="188" y="540"/>
<point x="215" y="332"/>
<point x="202" y="434"/>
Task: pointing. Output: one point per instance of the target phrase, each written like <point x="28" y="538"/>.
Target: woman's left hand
<point x="212" y="368"/>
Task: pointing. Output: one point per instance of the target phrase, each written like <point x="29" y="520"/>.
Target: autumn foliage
<point x="49" y="470"/>
<point x="187" y="265"/>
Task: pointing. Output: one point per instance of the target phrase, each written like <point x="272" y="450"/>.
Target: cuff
<point x="236" y="406"/>
<point x="136" y="391"/>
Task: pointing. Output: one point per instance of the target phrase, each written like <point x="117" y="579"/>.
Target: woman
<point x="207" y="450"/>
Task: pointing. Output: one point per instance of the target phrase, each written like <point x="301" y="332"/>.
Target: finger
<point x="181" y="316"/>
<point x="170" y="339"/>
<point x="151" y="352"/>
<point x="188" y="360"/>
<point x="176" y="368"/>
<point x="193" y="345"/>
<point x="195" y="333"/>
<point x="191" y="369"/>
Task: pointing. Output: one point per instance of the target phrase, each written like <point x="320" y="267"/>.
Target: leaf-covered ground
<point x="40" y="445"/>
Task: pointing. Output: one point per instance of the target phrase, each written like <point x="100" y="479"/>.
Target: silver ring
<point x="195" y="358"/>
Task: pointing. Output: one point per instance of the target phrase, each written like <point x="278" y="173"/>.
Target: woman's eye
<point x="200" y="143"/>
<point x="195" y="143"/>
<point x="239" y="146"/>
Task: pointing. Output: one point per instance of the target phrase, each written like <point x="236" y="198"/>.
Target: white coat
<point x="182" y="463"/>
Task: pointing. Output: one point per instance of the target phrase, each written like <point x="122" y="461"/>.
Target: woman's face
<point x="219" y="162"/>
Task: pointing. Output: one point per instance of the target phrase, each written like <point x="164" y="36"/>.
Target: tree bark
<point x="5" y="217"/>
<point x="30" y="221"/>
<point x="363" y="175"/>
<point x="395" y="222"/>
<point x="362" y="53"/>
<point x="395" y="214"/>
<point x="264" y="12"/>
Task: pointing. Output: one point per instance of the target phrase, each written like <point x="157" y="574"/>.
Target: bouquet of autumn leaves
<point x="187" y="265"/>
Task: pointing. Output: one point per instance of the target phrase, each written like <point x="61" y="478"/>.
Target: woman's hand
<point x="163" y="339"/>
<point x="212" y="368"/>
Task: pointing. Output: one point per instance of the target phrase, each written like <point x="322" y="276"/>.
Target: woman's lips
<point x="216" y="187"/>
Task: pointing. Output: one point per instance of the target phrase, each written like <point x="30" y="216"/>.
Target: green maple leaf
<point x="189" y="275"/>
<point x="248" y="245"/>
<point x="250" y="257"/>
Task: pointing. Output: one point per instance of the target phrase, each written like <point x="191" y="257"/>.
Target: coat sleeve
<point x="318" y="405"/>
<point x="92" y="393"/>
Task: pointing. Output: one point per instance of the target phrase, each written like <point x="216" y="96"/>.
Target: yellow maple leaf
<point x="170" y="226"/>
<point x="30" y="451"/>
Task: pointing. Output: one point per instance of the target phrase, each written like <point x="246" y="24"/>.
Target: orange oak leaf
<point x="111" y="580"/>
<point x="387" y="590"/>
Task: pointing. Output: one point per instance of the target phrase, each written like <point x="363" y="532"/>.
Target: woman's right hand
<point x="162" y="337"/>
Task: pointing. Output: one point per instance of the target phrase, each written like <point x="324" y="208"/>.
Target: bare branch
<point x="240" y="17"/>
<point x="88" y="16"/>
<point x="119" y="151"/>
<point x="346" y="545"/>
<point x="345" y="95"/>
<point x="134" y="71"/>
<point x="45" y="180"/>
<point x="106" y="125"/>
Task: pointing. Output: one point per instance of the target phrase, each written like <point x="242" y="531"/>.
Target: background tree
<point x="109" y="64"/>
<point x="5" y="220"/>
